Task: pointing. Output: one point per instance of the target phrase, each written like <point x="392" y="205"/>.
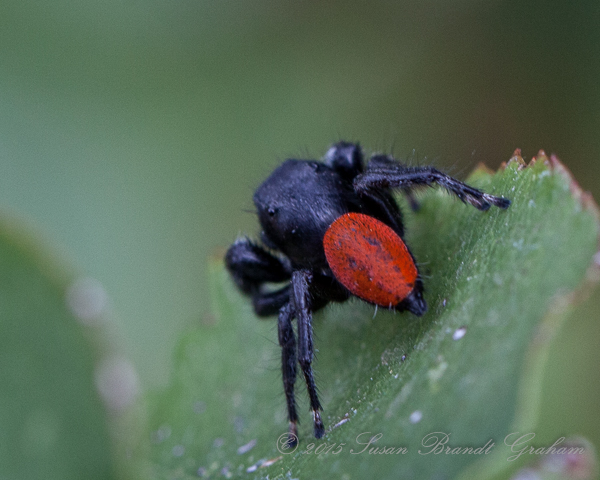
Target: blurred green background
<point x="134" y="133"/>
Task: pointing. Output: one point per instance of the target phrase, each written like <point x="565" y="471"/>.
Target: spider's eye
<point x="271" y="211"/>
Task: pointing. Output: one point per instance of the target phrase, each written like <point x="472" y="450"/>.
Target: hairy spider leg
<point x="347" y="160"/>
<point x="251" y="266"/>
<point x="392" y="174"/>
<point x="287" y="341"/>
<point x="302" y="305"/>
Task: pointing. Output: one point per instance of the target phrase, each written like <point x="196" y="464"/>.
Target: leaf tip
<point x="585" y="198"/>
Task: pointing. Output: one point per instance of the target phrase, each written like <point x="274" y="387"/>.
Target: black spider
<point x="332" y="229"/>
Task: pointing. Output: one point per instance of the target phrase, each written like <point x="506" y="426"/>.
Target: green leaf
<point x="469" y="368"/>
<point x="53" y="424"/>
<point x="579" y="463"/>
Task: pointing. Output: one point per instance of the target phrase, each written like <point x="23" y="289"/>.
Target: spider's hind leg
<point x="383" y="172"/>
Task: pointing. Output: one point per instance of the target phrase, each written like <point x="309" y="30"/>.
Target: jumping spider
<point x="331" y="230"/>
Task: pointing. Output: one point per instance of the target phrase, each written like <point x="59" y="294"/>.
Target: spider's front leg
<point x="251" y="266"/>
<point x="383" y="172"/>
<point x="302" y="302"/>
<point x="287" y="341"/>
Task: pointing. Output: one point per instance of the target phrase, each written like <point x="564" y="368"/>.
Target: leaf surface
<point x="53" y="424"/>
<point x="468" y="368"/>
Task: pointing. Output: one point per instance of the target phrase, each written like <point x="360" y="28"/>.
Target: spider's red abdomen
<point x="370" y="259"/>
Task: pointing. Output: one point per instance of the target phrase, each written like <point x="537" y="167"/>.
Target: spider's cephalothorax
<point x="332" y="229"/>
